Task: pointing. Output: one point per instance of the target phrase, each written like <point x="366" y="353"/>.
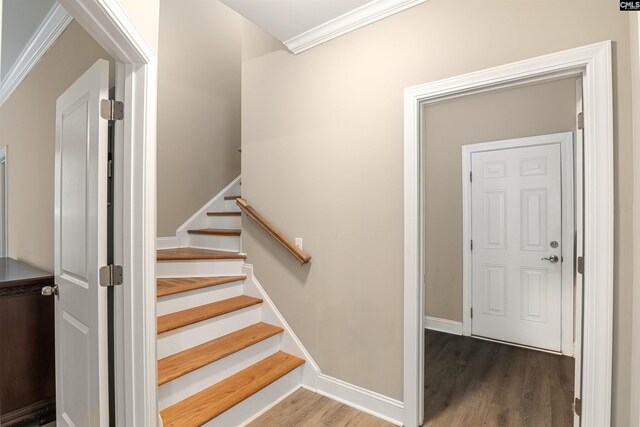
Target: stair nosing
<point x="224" y="213"/>
<point x="218" y="280"/>
<point x="263" y="331"/>
<point x="219" y="255"/>
<point x="216" y="231"/>
<point x="233" y="397"/>
<point x="249" y="302"/>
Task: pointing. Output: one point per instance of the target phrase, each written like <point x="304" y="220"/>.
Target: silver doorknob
<point x="552" y="259"/>
<point x="49" y="290"/>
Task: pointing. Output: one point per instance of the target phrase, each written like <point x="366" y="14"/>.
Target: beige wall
<point x="27" y="127"/>
<point x="145" y="15"/>
<point x="199" y="66"/>
<point x="322" y="157"/>
<point x="448" y="125"/>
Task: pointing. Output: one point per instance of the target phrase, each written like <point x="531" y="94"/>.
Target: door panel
<point x="516" y="214"/>
<point x="80" y="250"/>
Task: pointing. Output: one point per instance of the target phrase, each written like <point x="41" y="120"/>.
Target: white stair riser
<point x="226" y="267"/>
<point x="196" y="381"/>
<point x="231" y="206"/>
<point x="224" y="222"/>
<point x="189" y="336"/>
<point x="190" y="299"/>
<point x="246" y="410"/>
<point x="206" y="241"/>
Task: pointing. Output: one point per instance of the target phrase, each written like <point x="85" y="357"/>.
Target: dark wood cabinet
<point x="27" y="346"/>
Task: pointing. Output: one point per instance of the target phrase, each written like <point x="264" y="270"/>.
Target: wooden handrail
<point x="281" y="238"/>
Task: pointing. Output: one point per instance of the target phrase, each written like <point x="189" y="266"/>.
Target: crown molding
<point x="357" y="18"/>
<point x="53" y="25"/>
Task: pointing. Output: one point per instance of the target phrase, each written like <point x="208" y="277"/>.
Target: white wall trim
<point x="199" y="219"/>
<point x="364" y="400"/>
<point x="135" y="199"/>
<point x="269" y="407"/>
<point x="443" y="325"/>
<point x="312" y="378"/>
<point x="594" y="63"/>
<point x="47" y="33"/>
<point x="270" y="314"/>
<point x="167" y="242"/>
<point x="565" y="139"/>
<point x="357" y="18"/>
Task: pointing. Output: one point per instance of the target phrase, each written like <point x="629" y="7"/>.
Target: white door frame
<point x="4" y="244"/>
<point x="565" y="140"/>
<point x="135" y="200"/>
<point x="593" y="64"/>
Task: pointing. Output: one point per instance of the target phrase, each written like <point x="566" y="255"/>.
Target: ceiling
<point x="20" y="21"/>
<point x="285" y="19"/>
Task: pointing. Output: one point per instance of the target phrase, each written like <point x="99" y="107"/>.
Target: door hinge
<point x="580" y="121"/>
<point x="472" y="245"/>
<point x="111" y="110"/>
<point x="470" y="176"/>
<point x="472" y="312"/>
<point x="580" y="265"/>
<point x="577" y="406"/>
<point x="111" y="275"/>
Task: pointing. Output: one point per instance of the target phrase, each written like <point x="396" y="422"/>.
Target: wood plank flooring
<point x="307" y="409"/>
<point x="469" y="382"/>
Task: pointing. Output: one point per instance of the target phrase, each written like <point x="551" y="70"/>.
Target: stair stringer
<point x="290" y="342"/>
<point x="199" y="219"/>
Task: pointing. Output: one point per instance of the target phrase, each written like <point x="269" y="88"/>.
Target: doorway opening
<point x="499" y="226"/>
<point x="591" y="239"/>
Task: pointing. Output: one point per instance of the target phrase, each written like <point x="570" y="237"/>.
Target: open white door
<point x="516" y="212"/>
<point x="80" y="250"/>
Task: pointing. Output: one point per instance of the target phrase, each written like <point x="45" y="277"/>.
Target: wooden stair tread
<point x="193" y="254"/>
<point x="194" y="358"/>
<point x="231" y="197"/>
<point x="172" y="321"/>
<point x="216" y="231"/>
<point x="213" y="401"/>
<point x="174" y="285"/>
<point x="224" y="213"/>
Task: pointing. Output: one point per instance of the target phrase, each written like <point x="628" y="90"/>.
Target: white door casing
<point x="80" y="230"/>
<point x="516" y="212"/>
<point x="593" y="63"/>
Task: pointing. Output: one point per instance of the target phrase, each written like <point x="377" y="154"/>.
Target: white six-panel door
<point x="516" y="222"/>
<point x="80" y="250"/>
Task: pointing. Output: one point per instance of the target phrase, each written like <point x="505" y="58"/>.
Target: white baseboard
<point x="199" y="219"/>
<point x="167" y="242"/>
<point x="443" y="325"/>
<point x="359" y="398"/>
<point x="313" y="380"/>
<point x="290" y="342"/>
<point x="271" y="405"/>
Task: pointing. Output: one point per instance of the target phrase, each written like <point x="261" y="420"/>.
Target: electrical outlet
<point x="299" y="242"/>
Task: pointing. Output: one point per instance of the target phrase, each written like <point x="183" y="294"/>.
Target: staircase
<point x="220" y="361"/>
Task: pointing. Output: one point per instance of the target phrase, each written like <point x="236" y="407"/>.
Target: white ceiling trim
<point x="364" y="15"/>
<point x="53" y="25"/>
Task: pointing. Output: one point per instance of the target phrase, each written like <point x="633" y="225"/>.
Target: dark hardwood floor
<point x="471" y="382"/>
<point x="468" y="383"/>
